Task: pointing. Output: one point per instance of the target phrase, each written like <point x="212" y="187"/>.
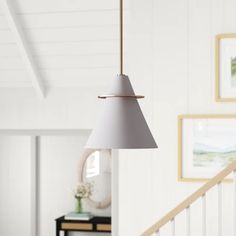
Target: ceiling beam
<point x="25" y="50"/>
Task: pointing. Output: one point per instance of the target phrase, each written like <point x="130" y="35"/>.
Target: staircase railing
<point x="186" y="204"/>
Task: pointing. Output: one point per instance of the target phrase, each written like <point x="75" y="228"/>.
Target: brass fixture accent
<point x="121" y="58"/>
<point x="121" y="96"/>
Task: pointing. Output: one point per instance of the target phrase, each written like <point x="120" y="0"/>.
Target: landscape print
<point x="233" y="71"/>
<point x="210" y="156"/>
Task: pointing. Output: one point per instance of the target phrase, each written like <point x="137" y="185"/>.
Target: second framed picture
<point x="207" y="144"/>
<point x="225" y="68"/>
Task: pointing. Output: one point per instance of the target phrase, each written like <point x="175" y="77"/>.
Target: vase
<point x="78" y="205"/>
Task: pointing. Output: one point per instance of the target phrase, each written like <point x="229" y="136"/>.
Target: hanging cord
<point x="121" y="37"/>
<point x="121" y="60"/>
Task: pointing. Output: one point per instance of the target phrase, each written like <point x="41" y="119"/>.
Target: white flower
<point x="83" y="190"/>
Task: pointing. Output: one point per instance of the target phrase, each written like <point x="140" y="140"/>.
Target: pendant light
<point x="121" y="125"/>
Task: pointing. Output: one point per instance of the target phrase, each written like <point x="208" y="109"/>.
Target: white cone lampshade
<point x="121" y="125"/>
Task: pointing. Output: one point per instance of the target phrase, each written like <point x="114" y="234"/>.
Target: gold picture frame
<point x="181" y="119"/>
<point x="218" y="39"/>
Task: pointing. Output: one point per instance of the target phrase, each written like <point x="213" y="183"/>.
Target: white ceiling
<point x="74" y="42"/>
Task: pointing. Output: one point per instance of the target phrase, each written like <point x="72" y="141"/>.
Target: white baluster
<point x="173" y="227"/>
<point x="204" y="215"/>
<point x="158" y="233"/>
<point x="188" y="221"/>
<point x="234" y="173"/>
<point x="219" y="209"/>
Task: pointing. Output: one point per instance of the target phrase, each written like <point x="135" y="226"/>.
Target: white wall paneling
<point x="65" y="35"/>
<point x="63" y="48"/>
<point x="21" y="41"/>
<point x="71" y="43"/>
<point x="29" y="7"/>
<point x="182" y="81"/>
<point x="50" y="166"/>
<point x="34" y="169"/>
<point x="62" y="77"/>
<point x="70" y="19"/>
<point x="63" y="62"/>
<point x="115" y="193"/>
<point x="15" y="175"/>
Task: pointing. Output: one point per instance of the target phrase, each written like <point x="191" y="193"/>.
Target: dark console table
<point x="96" y="224"/>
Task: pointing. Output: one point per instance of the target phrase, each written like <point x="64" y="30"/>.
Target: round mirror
<point x="95" y="169"/>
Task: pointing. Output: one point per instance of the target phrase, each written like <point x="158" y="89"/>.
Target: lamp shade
<point x="121" y="125"/>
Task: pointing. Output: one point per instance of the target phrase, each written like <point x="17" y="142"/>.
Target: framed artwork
<point x="225" y="55"/>
<point x="206" y="145"/>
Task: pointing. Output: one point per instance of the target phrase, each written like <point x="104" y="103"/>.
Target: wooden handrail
<point x="191" y="199"/>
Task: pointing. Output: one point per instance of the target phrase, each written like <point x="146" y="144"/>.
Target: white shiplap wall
<point x="72" y="42"/>
<point x="183" y="82"/>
